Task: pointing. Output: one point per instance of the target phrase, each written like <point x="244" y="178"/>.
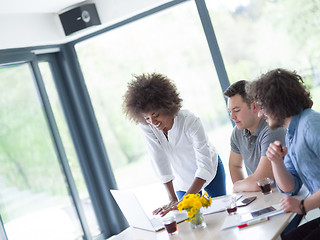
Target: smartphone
<point x="246" y="201"/>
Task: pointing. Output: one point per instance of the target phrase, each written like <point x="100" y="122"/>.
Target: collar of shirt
<point x="261" y="125"/>
<point x="293" y="124"/>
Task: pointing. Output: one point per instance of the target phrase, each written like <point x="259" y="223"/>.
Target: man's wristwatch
<point x="302" y="207"/>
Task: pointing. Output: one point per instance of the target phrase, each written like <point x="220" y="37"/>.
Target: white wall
<point x="33" y="29"/>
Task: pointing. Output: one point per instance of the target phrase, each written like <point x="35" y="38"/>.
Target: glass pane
<point x="171" y="42"/>
<point x="69" y="148"/>
<point x="257" y="36"/>
<point x="34" y="199"/>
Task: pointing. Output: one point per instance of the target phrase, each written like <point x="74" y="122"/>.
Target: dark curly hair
<point x="151" y="92"/>
<point x="239" y="87"/>
<point x="280" y="93"/>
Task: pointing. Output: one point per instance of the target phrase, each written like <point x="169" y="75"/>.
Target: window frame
<point x="81" y="120"/>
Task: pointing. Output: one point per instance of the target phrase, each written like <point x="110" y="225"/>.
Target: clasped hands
<point x="162" y="211"/>
<point x="276" y="152"/>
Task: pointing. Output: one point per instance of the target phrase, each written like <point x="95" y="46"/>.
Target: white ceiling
<point x="28" y="23"/>
<point x="35" y="6"/>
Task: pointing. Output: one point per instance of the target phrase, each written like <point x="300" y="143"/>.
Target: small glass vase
<point x="198" y="221"/>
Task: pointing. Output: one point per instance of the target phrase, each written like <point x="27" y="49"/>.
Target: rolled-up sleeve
<point x="297" y="180"/>
<point x="206" y="155"/>
<point x="159" y="160"/>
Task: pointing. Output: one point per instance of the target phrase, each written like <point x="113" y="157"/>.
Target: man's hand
<point x="249" y="184"/>
<point x="276" y="152"/>
<point x="290" y="204"/>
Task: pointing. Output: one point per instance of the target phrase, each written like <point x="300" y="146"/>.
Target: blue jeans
<point x="217" y="187"/>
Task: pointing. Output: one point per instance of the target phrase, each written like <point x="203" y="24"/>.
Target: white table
<point x="266" y="230"/>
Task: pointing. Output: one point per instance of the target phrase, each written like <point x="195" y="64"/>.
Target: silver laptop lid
<point x="132" y="210"/>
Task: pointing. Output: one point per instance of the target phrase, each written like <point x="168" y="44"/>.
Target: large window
<point x="78" y="178"/>
<point x="171" y="42"/>
<point x="256" y="36"/>
<point x="34" y="197"/>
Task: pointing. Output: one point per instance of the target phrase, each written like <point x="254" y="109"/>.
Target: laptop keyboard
<point x="156" y="223"/>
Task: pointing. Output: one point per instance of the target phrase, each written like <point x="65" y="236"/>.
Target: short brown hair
<point x="239" y="87"/>
<point x="280" y="93"/>
<point x="151" y="92"/>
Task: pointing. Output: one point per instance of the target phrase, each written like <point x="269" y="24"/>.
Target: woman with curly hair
<point x="181" y="154"/>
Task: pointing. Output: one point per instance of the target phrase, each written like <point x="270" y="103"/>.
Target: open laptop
<point x="135" y="214"/>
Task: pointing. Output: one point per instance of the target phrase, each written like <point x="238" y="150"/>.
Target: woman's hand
<point x="162" y="211"/>
<point x="290" y="204"/>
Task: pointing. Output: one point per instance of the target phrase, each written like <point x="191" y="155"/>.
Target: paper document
<point x="237" y="219"/>
<point x="231" y="221"/>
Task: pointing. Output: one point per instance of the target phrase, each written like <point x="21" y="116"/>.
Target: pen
<point x="281" y="149"/>
<point x="259" y="220"/>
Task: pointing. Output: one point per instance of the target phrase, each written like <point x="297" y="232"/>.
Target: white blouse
<point x="186" y="154"/>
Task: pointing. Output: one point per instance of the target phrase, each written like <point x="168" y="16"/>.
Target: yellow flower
<point x="197" y="204"/>
<point x="193" y="202"/>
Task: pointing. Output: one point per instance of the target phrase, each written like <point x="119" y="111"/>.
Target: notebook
<point x="135" y="214"/>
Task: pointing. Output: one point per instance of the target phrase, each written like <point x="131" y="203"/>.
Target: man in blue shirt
<point x="284" y="101"/>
